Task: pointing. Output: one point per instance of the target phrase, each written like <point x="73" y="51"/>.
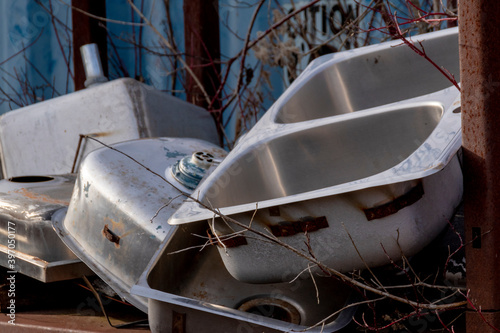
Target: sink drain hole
<point x="272" y="308"/>
<point x="31" y="179"/>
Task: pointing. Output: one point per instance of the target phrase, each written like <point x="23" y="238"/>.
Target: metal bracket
<point x="396" y="205"/>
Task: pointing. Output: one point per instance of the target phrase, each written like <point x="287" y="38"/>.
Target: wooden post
<point x="480" y="78"/>
<point x="87" y="30"/>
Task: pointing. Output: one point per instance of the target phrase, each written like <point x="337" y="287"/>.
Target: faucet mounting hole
<point x="31" y="179"/>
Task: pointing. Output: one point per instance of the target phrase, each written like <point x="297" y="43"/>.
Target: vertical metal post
<point x="202" y="43"/>
<point x="480" y="78"/>
<point x="86" y="30"/>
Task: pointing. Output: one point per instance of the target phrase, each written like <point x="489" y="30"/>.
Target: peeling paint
<point x="173" y="154"/>
<point x="86" y="189"/>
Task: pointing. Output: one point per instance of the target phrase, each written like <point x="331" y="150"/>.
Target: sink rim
<point x="325" y="62"/>
<point x="143" y="289"/>
<point x="450" y="123"/>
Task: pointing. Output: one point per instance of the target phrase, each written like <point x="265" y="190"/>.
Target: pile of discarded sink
<point x="120" y="180"/>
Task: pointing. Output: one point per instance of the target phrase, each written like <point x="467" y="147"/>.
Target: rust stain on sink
<point x="111" y="236"/>
<point x="40" y="197"/>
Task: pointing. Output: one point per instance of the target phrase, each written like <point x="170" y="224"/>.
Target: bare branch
<point x="170" y="47"/>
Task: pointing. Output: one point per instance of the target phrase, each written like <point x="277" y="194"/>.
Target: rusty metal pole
<point x="480" y="78"/>
<point x="87" y="30"/>
<point x="202" y="43"/>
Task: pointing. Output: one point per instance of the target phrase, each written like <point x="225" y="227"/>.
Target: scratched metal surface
<point x="26" y="207"/>
<point x="42" y="139"/>
<point x="117" y="215"/>
<point x="195" y="283"/>
<point x="353" y="132"/>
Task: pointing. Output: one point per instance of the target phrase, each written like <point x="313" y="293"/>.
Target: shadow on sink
<point x="370" y="79"/>
<point x="196" y="283"/>
<point x="27" y="204"/>
<point x="325" y="155"/>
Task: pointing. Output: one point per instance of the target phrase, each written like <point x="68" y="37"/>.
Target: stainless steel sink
<point x="194" y="285"/>
<point x="342" y="150"/>
<point x="386" y="176"/>
<point x="28" y="243"/>
<point x="116" y="219"/>
<point x="372" y="77"/>
<point x="43" y="138"/>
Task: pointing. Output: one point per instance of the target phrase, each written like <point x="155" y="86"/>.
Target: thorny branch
<point x="334" y="272"/>
<point x="170" y="47"/>
<point x="393" y="28"/>
<point x="61" y="47"/>
<point x="247" y="46"/>
<point x="100" y="18"/>
<point x="479" y="311"/>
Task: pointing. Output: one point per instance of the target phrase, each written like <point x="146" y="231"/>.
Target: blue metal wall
<point x="33" y="58"/>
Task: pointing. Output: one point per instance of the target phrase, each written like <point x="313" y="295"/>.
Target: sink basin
<point x="369" y="77"/>
<point x="329" y="154"/>
<point x="383" y="180"/>
<point x="43" y="138"/>
<point x="26" y="208"/>
<point x="116" y="219"/>
<point x="193" y="287"/>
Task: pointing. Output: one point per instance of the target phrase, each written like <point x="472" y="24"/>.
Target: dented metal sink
<point x="359" y="154"/>
<point x="28" y="243"/>
<point x="189" y="287"/>
<point x="44" y="138"/>
<point x="117" y="216"/>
